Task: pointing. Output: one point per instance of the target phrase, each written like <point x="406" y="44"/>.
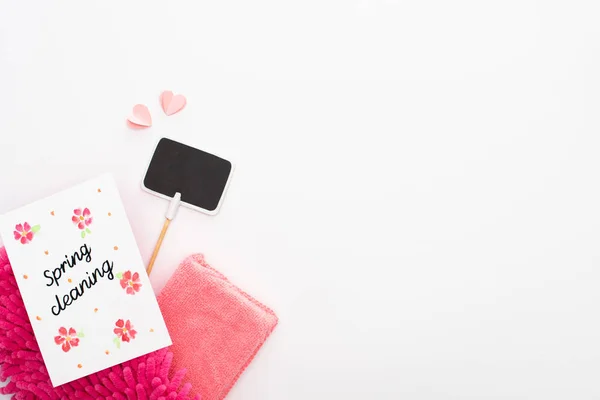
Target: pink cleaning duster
<point x="144" y="378"/>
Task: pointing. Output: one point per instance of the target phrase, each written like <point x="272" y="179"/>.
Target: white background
<point x="416" y="192"/>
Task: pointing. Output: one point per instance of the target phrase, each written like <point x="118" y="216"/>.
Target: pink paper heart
<point x="172" y="104"/>
<point x="140" y="116"/>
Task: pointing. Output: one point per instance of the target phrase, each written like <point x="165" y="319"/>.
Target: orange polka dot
<point x="25" y="276"/>
<point x="79" y="366"/>
<point x="106" y="352"/>
<point x="95" y="310"/>
<point x="52" y="213"/>
<point x="99" y="190"/>
<point x="151" y="330"/>
<point x="109" y="214"/>
<point x="70" y="280"/>
<point x="38" y="318"/>
<point x="116" y="247"/>
<point x="46" y="252"/>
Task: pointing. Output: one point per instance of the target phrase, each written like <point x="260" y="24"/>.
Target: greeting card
<point x="83" y="281"/>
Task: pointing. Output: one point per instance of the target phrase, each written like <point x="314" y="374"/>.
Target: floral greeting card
<point x="83" y="281"/>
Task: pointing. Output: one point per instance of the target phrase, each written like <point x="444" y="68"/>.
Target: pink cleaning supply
<point x="145" y="378"/>
<point x="216" y="328"/>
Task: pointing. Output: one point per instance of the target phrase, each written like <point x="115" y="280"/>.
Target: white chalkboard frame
<point x="183" y="203"/>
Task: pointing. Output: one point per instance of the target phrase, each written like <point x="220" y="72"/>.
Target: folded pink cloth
<point x="216" y="328"/>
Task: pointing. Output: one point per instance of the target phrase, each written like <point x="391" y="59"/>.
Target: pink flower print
<point x="68" y="338"/>
<point x="131" y="283"/>
<point x="25" y="232"/>
<point x="124" y="332"/>
<point x="83" y="219"/>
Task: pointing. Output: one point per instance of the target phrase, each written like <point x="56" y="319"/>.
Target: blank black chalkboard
<point x="200" y="177"/>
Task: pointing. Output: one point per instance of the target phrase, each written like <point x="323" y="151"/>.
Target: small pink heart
<point x="140" y="116"/>
<point x="172" y="104"/>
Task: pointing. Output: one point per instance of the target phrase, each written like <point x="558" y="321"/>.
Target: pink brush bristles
<point x="144" y="378"/>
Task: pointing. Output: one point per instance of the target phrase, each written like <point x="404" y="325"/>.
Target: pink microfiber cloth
<point x="216" y="328"/>
<point x="144" y="378"/>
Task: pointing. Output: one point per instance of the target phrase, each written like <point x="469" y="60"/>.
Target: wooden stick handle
<point x="158" y="244"/>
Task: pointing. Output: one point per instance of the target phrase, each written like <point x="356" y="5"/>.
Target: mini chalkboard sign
<point x="187" y="176"/>
<point x="200" y="177"/>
